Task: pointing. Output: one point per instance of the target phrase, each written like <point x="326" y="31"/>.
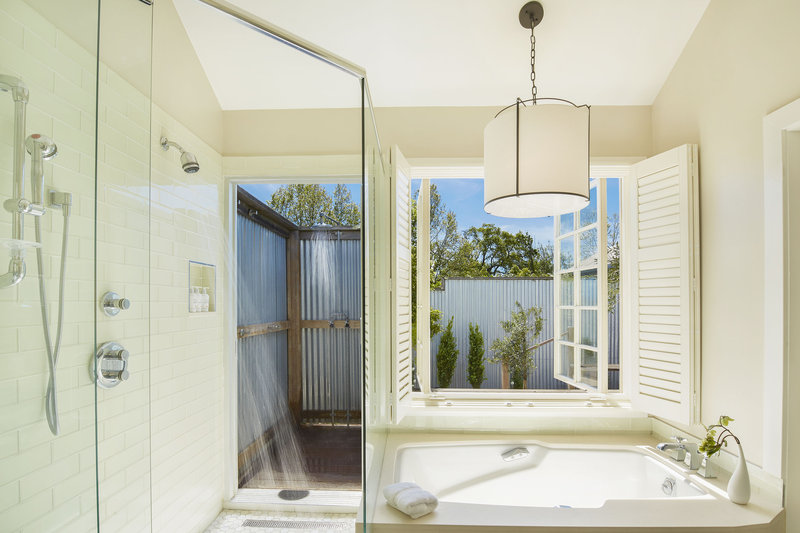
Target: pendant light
<point x="536" y="151"/>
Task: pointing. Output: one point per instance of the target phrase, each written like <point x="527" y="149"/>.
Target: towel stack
<point x="410" y="499"/>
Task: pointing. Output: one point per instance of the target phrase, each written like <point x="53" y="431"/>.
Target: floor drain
<point x="296" y="524"/>
<point x="292" y="495"/>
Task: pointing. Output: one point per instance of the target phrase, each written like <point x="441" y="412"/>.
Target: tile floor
<point x="231" y="521"/>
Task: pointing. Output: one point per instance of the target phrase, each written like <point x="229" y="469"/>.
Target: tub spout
<point x="681" y="449"/>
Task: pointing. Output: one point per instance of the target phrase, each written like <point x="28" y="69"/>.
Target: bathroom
<point x="243" y="94"/>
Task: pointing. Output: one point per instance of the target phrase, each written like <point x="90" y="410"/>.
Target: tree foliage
<point x="447" y="356"/>
<point x="476" y="370"/>
<point x="309" y="204"/>
<point x="513" y="350"/>
<point x="497" y="252"/>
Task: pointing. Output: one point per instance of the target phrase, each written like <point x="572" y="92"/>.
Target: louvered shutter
<point x="664" y="265"/>
<point x="401" y="282"/>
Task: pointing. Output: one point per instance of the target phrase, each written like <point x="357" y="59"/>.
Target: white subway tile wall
<point x="160" y="432"/>
<point x="48" y="483"/>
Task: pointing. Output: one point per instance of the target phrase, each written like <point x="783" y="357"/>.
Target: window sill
<point x="530" y="412"/>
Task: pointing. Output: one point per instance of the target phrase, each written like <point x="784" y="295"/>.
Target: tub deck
<point x="715" y="514"/>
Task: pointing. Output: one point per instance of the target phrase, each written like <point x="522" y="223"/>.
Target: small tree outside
<point x="446" y="357"/>
<point x="512" y="351"/>
<point x="476" y="371"/>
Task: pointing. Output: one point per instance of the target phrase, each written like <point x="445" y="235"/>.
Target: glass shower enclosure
<point x="102" y="426"/>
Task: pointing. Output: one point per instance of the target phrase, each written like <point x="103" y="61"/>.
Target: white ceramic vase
<point x="739" y="485"/>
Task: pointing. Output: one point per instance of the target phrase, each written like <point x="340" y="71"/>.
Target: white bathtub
<point x="549" y="476"/>
<point x="587" y="483"/>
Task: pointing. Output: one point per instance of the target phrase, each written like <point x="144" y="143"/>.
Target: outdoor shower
<point x="41" y="149"/>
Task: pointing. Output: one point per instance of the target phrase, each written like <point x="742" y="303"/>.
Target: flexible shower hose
<point x="51" y="401"/>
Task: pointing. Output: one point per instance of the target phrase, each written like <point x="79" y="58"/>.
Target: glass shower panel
<point x="48" y="66"/>
<point x="122" y="263"/>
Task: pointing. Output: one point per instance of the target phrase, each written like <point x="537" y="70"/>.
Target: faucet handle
<point x="678" y="439"/>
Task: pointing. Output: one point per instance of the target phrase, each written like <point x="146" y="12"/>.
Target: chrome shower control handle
<point x="110" y="365"/>
<point x="112" y="303"/>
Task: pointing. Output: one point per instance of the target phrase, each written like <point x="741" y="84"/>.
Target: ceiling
<point x="442" y="52"/>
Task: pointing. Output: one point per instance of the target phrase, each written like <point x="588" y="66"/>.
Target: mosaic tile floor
<point x="232" y="521"/>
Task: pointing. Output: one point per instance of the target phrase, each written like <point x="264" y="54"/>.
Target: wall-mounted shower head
<point x="188" y="160"/>
<point x="17" y="88"/>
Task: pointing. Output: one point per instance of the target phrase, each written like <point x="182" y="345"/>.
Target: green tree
<point x="475" y="364"/>
<point x="497" y="252"/>
<point x="447" y="356"/>
<point x="612" y="246"/>
<point x="513" y="350"/>
<point x="310" y="204"/>
<point x="345" y="211"/>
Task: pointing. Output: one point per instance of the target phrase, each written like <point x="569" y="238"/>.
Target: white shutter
<point x="401" y="281"/>
<point x="664" y="268"/>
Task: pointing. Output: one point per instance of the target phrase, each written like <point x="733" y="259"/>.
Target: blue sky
<point x="465" y="198"/>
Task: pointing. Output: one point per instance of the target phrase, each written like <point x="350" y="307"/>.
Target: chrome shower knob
<point x="110" y="365"/>
<point x="112" y="303"/>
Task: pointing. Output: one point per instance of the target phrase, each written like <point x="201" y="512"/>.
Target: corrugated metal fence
<point x="331" y="289"/>
<point x="261" y="297"/>
<point x="487" y="301"/>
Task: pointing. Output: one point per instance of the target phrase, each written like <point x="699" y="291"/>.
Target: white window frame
<point x="473" y="169"/>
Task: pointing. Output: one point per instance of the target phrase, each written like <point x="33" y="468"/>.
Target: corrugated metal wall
<point x="261" y="297"/>
<point x="331" y="289"/>
<point x="487" y="301"/>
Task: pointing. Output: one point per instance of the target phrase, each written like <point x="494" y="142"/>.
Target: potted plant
<point x="476" y="371"/>
<point x="739" y="484"/>
<point x="512" y="351"/>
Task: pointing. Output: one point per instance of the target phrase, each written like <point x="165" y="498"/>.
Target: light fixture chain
<point x="533" y="63"/>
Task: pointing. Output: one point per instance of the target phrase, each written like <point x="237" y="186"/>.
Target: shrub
<point x="475" y="369"/>
<point x="446" y="357"/>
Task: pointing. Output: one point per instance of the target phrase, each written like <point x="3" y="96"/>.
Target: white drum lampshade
<point x="536" y="160"/>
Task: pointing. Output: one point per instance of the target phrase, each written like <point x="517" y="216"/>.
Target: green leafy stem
<point x="713" y="443"/>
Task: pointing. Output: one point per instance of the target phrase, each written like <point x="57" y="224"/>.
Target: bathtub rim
<point x="633" y="515"/>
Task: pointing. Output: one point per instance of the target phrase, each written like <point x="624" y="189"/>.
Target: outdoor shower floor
<point x="332" y="460"/>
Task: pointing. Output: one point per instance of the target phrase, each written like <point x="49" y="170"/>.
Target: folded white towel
<point x="410" y="499"/>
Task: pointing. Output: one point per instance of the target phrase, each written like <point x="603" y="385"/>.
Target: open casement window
<point x="663" y="247"/>
<point x="580" y="271"/>
<point x="401" y="282"/>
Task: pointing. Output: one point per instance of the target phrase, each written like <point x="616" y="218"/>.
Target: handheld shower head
<point x="17" y="88"/>
<point x="41" y="148"/>
<point x="188" y="160"/>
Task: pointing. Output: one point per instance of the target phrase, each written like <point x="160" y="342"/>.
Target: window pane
<point x="567" y="325"/>
<point x="567" y="223"/>
<point x="589" y="213"/>
<point x="567" y="253"/>
<point x="567" y="289"/>
<point x="589" y="287"/>
<point x="589" y="367"/>
<point x="568" y="362"/>
<point x="589" y="327"/>
<point x="613" y="347"/>
<point x="588" y="240"/>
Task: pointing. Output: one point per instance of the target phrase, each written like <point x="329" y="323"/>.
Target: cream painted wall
<point x="739" y="65"/>
<point x="441" y="132"/>
<point x="179" y="81"/>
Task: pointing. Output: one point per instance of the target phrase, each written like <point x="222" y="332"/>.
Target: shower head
<point x="47" y="148"/>
<point x="188" y="160"/>
<point x="189" y="163"/>
<point x="41" y="149"/>
<point x="17" y="88"/>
